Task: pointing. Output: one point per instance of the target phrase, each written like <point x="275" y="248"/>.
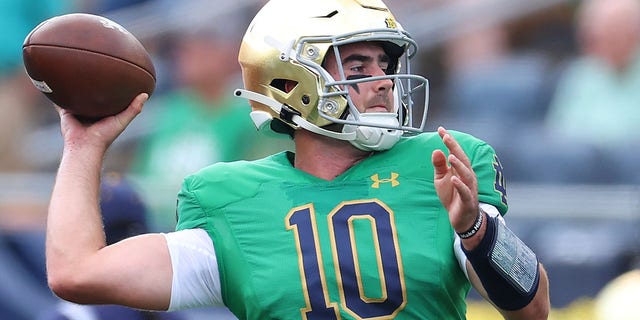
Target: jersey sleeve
<point x="196" y="275"/>
<point x="189" y="211"/>
<point x="196" y="279"/>
<point x="492" y="188"/>
<point x="206" y="193"/>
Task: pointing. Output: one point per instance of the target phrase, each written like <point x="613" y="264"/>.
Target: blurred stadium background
<point x="581" y="214"/>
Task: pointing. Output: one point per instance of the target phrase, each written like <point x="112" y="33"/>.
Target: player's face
<point x="360" y="60"/>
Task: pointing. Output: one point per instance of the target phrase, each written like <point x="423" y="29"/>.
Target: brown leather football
<point x="87" y="64"/>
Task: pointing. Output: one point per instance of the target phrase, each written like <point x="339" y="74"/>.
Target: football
<point x="87" y="64"/>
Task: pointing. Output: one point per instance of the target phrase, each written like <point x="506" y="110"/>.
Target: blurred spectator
<point x="492" y="87"/>
<point x="22" y="293"/>
<point x="21" y="105"/>
<point x="495" y="91"/>
<point x="124" y="215"/>
<point x="597" y="102"/>
<point x="200" y="121"/>
<point x="18" y="18"/>
<point x="123" y="211"/>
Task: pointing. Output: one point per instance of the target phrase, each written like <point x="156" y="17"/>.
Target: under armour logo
<point x="377" y="181"/>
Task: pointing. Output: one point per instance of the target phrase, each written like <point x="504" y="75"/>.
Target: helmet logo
<point x="391" y="23"/>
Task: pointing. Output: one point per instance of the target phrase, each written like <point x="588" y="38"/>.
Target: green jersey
<point x="374" y="243"/>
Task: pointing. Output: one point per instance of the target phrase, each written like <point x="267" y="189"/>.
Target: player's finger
<point x="461" y="170"/>
<point x="61" y="111"/>
<point x="463" y="190"/>
<point x="66" y="117"/>
<point x="439" y="161"/>
<point x="453" y="146"/>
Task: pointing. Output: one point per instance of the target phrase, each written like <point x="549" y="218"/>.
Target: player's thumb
<point x="440" y="166"/>
<point x="135" y="107"/>
<point x="138" y="102"/>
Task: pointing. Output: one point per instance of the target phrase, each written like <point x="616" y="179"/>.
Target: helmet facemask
<point x="378" y="130"/>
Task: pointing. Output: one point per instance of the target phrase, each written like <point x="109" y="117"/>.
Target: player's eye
<point x="385" y="67"/>
<point x="357" y="69"/>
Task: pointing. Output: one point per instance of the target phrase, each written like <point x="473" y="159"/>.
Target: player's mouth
<point x="376" y="108"/>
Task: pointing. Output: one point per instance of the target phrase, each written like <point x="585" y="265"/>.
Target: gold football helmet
<point x="288" y="40"/>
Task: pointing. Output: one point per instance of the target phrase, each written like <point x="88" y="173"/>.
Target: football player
<point x="369" y="218"/>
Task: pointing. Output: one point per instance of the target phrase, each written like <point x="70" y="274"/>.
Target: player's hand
<point x="101" y="133"/>
<point x="456" y="184"/>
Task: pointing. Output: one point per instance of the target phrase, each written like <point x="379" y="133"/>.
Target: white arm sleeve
<point x="457" y="246"/>
<point x="196" y="280"/>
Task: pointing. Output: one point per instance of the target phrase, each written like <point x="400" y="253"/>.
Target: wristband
<point x="474" y="228"/>
<point x="506" y="267"/>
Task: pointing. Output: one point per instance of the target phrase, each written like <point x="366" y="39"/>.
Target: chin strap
<point x="262" y="118"/>
<point x="365" y="138"/>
